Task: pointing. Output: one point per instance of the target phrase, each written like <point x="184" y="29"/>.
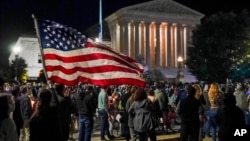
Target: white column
<point x="158" y="45"/>
<point x="163" y="44"/>
<point x="137" y="39"/>
<point x="117" y="35"/>
<point x="179" y="41"/>
<point x="131" y="40"/>
<point x="125" y="45"/>
<point x="142" y="39"/>
<point x="148" y="57"/>
<point x="169" y="49"/>
<point x="152" y="42"/>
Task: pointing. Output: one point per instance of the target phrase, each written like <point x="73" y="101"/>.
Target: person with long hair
<point x="8" y="130"/>
<point x="45" y="123"/>
<point x="143" y="116"/>
<point x="130" y="118"/>
<point x="215" y="96"/>
<point x="198" y="95"/>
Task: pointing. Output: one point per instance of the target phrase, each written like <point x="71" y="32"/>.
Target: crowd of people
<point x="51" y="111"/>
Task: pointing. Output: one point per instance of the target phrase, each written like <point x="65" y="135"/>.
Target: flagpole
<point x="100" y="21"/>
<point x="39" y="41"/>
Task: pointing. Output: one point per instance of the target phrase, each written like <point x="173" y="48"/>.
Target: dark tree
<point x="220" y="42"/>
<point x="17" y="69"/>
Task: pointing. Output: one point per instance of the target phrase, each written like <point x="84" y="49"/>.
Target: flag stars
<point x="61" y="44"/>
<point x="61" y="37"/>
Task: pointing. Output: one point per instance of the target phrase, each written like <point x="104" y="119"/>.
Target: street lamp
<point x="179" y="60"/>
<point x="16" y="50"/>
<point x="180" y="75"/>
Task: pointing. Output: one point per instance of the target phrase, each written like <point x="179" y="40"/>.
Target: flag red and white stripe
<point x="69" y="61"/>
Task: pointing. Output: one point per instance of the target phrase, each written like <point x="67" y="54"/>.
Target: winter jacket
<point x="25" y="106"/>
<point x="143" y="118"/>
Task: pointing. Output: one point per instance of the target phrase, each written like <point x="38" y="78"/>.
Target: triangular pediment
<point x="163" y="6"/>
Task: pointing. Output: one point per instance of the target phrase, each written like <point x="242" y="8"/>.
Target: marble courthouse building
<point x="160" y="31"/>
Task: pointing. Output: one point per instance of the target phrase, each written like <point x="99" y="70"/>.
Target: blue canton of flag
<point x="58" y="36"/>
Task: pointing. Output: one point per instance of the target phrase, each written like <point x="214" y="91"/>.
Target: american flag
<point x="69" y="57"/>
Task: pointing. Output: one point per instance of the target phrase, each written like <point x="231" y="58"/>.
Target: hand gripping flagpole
<point x="40" y="45"/>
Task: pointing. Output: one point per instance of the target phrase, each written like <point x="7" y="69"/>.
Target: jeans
<point x="213" y="123"/>
<point x="207" y="125"/>
<point x="104" y="123"/>
<point x="86" y="127"/>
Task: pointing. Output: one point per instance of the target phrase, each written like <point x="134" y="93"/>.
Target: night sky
<point x="16" y="19"/>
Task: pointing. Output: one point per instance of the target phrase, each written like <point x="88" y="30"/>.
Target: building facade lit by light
<point x="30" y="52"/>
<point x="158" y="30"/>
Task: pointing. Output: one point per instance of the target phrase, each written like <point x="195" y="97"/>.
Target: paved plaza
<point x="160" y="136"/>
